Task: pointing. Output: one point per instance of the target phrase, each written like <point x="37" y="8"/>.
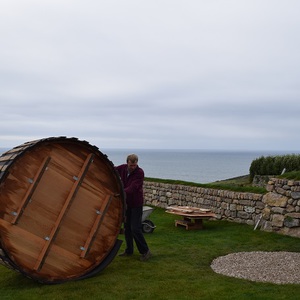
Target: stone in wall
<point x="245" y="202"/>
<point x="270" y="186"/>
<point x="250" y="222"/>
<point x="243" y="215"/>
<point x="278" y="210"/>
<point x="266" y="213"/>
<point x="168" y="194"/>
<point x="260" y="180"/>
<point x="274" y="199"/>
<point x="259" y="204"/>
<point x="232" y="207"/>
<point x="293" y="215"/>
<point x="266" y="226"/>
<point x="290" y="222"/>
<point x="295" y="231"/>
<point x="277" y="220"/>
<point x="290" y="208"/>
<point x="249" y="209"/>
<point x="280" y="190"/>
<point x="295" y="195"/>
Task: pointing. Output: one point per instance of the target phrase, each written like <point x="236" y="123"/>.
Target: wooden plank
<point x="31" y="189"/>
<point x="25" y="244"/>
<point x="194" y="216"/>
<point x="63" y="212"/>
<point x="96" y="226"/>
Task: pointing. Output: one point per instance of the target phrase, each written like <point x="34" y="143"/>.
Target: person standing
<point x="132" y="177"/>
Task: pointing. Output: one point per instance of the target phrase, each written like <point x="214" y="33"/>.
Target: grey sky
<point x="190" y="74"/>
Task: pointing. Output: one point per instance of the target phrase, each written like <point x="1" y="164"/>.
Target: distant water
<point x="199" y="166"/>
<point x="189" y="165"/>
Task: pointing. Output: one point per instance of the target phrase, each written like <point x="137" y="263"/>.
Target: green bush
<point x="274" y="165"/>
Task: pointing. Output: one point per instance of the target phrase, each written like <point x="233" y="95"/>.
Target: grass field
<point x="238" y="184"/>
<point x="179" y="268"/>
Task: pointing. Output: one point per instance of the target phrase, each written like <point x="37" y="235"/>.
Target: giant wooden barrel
<point x="61" y="209"/>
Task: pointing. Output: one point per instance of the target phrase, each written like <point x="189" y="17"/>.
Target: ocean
<point x="200" y="166"/>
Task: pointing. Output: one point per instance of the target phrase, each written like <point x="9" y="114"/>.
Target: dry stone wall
<point x="278" y="210"/>
<point x="282" y="207"/>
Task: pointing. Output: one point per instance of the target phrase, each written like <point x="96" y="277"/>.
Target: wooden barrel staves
<point x="61" y="210"/>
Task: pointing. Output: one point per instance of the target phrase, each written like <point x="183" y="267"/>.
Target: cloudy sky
<point x="165" y="74"/>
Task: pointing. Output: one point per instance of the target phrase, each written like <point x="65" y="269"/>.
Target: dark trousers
<point x="133" y="230"/>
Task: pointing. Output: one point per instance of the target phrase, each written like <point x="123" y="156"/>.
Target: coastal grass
<point x="294" y="175"/>
<point x="237" y="184"/>
<point x="179" y="269"/>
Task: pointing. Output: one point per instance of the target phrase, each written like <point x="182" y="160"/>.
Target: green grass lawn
<point x="179" y="268"/>
<point x="237" y="184"/>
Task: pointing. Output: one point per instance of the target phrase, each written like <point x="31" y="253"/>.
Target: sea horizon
<point x="192" y="165"/>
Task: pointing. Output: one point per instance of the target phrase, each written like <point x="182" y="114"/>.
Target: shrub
<point x="274" y="165"/>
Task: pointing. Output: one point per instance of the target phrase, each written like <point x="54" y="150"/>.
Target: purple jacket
<point x="133" y="185"/>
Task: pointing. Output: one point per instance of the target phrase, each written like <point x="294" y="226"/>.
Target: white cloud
<point x="167" y="74"/>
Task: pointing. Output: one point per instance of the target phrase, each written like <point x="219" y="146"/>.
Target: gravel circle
<point x="275" y="267"/>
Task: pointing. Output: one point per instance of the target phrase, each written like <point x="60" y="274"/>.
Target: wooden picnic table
<point x="192" y="217"/>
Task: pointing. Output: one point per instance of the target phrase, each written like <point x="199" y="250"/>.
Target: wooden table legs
<point x="190" y="223"/>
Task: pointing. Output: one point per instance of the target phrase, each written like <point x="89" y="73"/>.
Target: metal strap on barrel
<point x="70" y="198"/>
<point x="31" y="189"/>
<point x="96" y="226"/>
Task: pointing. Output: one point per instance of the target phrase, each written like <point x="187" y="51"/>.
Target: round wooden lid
<point x="61" y="209"/>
